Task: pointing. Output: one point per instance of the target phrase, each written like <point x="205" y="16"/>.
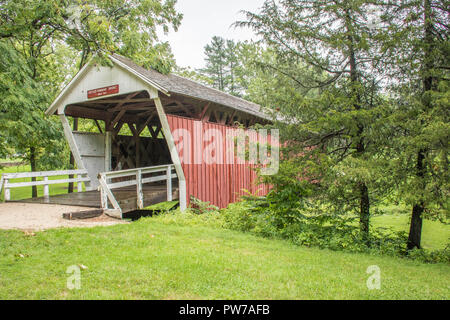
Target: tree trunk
<point x="364" y="212"/>
<point x="33" y="169"/>
<point x="415" y="231"/>
<point x="364" y="200"/>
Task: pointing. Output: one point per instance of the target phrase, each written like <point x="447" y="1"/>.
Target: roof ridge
<point x="215" y="89"/>
<point x="246" y="106"/>
<point x="192" y="80"/>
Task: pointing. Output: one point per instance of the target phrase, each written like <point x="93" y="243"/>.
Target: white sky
<point x="204" y="19"/>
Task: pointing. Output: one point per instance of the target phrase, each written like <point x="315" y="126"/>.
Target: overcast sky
<point x="204" y="19"/>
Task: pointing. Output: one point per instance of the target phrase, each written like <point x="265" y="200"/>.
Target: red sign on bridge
<point x="100" y="92"/>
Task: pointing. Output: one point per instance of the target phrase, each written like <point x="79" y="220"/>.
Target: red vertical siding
<point x="219" y="183"/>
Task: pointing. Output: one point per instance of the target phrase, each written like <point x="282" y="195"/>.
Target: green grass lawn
<point x="435" y="235"/>
<point x="25" y="192"/>
<point x="172" y="258"/>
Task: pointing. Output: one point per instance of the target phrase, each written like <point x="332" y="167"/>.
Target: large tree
<point x="417" y="47"/>
<point x="326" y="50"/>
<point x="38" y="29"/>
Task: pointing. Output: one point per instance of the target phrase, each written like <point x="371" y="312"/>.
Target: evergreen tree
<point x="417" y="59"/>
<point x="223" y="65"/>
<point x="216" y="62"/>
<point x="327" y="52"/>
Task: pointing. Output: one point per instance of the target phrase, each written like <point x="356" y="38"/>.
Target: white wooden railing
<point x="106" y="185"/>
<point x="5" y="181"/>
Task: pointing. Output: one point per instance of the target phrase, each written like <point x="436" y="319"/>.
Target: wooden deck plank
<point x="126" y="197"/>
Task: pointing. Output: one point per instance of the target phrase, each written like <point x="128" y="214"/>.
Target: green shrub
<point x="312" y="226"/>
<point x="436" y="256"/>
<point x="309" y="225"/>
<point x="199" y="207"/>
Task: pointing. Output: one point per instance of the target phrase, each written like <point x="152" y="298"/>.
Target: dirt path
<point x="38" y="217"/>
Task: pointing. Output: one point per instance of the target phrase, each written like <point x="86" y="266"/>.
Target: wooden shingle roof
<point x="178" y="85"/>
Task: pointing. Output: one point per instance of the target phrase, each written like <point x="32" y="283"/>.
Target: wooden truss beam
<point x="142" y="127"/>
<point x="204" y="111"/>
<point x="98" y="126"/>
<point x="89" y="113"/>
<point x="138" y="106"/>
<point x="185" y="109"/>
<point x="126" y="100"/>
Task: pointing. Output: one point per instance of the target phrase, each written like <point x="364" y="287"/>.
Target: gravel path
<point x="38" y="217"/>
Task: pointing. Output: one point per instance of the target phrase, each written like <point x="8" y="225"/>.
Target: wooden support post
<point x="138" y="151"/>
<point x="109" y="195"/>
<point x="173" y="153"/>
<point x="108" y="152"/>
<point x="2" y="180"/>
<point x="104" y="199"/>
<point x="73" y="146"/>
<point x="140" y="194"/>
<point x="7" y="191"/>
<point x="47" y="190"/>
<point x="72" y="160"/>
<point x="169" y="183"/>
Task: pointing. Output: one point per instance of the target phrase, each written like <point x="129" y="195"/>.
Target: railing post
<point x="46" y="189"/>
<point x="79" y="183"/>
<point x="2" y="179"/>
<point x="140" y="195"/>
<point x="103" y="195"/>
<point x="7" y="191"/>
<point x="169" y="183"/>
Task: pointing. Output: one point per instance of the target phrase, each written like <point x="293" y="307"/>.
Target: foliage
<point x="102" y="27"/>
<point x="227" y="65"/>
<point x="194" y="75"/>
<point x="437" y="256"/>
<point x="352" y="102"/>
<point x="325" y="54"/>
<point x="45" y="42"/>
<point x="201" y="207"/>
<point x="22" y="122"/>
<point x="315" y="226"/>
<point x="417" y="66"/>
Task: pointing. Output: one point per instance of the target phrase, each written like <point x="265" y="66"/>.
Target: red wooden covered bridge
<point x="181" y="142"/>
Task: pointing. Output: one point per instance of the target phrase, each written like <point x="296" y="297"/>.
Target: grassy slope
<point x="168" y="258"/>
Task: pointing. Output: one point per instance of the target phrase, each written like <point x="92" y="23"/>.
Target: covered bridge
<point x="173" y="121"/>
